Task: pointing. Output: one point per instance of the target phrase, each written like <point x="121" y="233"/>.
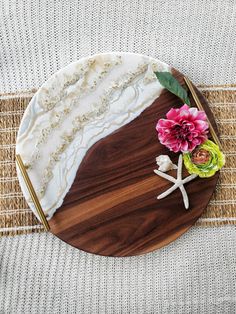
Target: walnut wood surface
<point x="112" y="209"/>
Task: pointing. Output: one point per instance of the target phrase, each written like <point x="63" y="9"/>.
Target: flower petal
<point x="184" y="128"/>
<point x="209" y="168"/>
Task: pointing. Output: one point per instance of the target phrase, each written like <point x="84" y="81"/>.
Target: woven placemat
<point x="17" y="218"/>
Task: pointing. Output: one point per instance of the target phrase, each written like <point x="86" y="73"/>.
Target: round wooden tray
<point x="112" y="207"/>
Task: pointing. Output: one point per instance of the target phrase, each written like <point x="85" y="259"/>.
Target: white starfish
<point x="178" y="182"/>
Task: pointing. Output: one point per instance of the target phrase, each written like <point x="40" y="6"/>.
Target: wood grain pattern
<point x="112" y="209"/>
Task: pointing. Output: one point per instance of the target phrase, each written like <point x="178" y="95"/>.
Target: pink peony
<point x="183" y="130"/>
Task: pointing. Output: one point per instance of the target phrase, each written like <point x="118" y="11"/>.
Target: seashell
<point x="165" y="164"/>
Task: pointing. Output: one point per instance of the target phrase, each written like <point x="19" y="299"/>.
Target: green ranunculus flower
<point x="204" y="160"/>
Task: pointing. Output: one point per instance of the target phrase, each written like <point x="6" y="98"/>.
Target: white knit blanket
<point x="41" y="274"/>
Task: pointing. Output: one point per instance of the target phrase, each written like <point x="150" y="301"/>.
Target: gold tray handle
<point x="32" y="192"/>
<point x="200" y="107"/>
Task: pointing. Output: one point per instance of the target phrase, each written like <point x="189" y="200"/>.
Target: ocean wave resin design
<point x="79" y="105"/>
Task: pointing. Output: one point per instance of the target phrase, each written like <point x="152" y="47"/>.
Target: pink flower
<point x="183" y="130"/>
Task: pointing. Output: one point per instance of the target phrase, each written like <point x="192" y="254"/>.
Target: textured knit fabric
<point x="195" y="274"/>
<point x="39" y="37"/>
<point x="41" y="274"/>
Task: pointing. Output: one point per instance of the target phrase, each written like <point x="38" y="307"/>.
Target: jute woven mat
<point x="17" y="218"/>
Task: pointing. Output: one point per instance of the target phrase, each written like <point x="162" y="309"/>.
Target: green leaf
<point x="168" y="81"/>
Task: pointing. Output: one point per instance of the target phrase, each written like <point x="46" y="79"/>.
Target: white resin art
<point x="79" y="105"/>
